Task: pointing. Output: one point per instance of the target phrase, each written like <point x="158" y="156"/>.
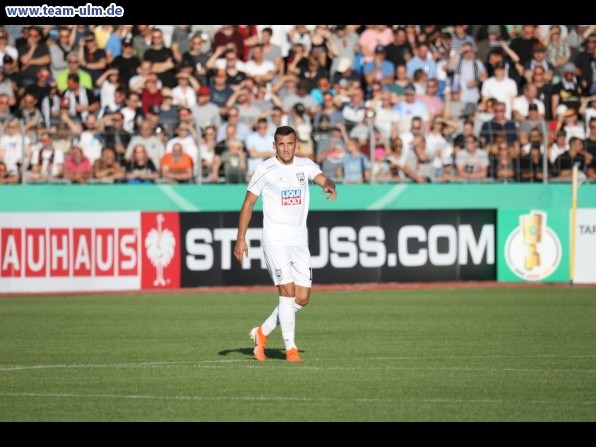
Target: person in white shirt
<point x="283" y="183"/>
<point x="500" y="87"/>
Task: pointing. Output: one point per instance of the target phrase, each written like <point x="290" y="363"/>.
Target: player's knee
<point x="287" y="289"/>
<point x="302" y="300"/>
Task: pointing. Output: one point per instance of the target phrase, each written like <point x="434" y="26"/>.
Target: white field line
<point x="221" y="363"/>
<point x="288" y="398"/>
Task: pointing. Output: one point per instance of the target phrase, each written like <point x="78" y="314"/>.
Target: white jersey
<point x="285" y="193"/>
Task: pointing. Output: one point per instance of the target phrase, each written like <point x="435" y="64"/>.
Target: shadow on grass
<point x="270" y="353"/>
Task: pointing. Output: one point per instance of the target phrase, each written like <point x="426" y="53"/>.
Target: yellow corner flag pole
<point x="573" y="224"/>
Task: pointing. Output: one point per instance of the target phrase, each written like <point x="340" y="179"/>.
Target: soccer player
<point x="283" y="183"/>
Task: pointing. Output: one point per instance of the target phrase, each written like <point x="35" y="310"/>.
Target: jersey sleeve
<point x="313" y="169"/>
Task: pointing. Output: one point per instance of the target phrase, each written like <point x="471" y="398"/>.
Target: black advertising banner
<point x="349" y="247"/>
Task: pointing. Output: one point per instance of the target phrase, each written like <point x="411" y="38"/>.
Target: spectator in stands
<point x="91" y="137"/>
<point x="220" y="91"/>
<point x="539" y="60"/>
<point x="570" y="123"/>
<point x="107" y="169"/>
<point x="563" y="166"/>
<point x="73" y="68"/>
<point x="355" y="167"/>
<point x="460" y="37"/>
<point x="41" y="87"/>
<point x="28" y="114"/>
<point x="14" y="147"/>
<point x="241" y="100"/>
<point x="399" y="84"/>
<point x="531" y="166"/>
<point x="162" y="59"/>
<point x="343" y="45"/>
<point x="108" y="83"/>
<point x="258" y="68"/>
<point x="520" y="105"/>
<point x="233" y="160"/>
<point x="379" y="69"/>
<point x="207" y="152"/>
<point x="468" y="75"/>
<point x="144" y="71"/>
<point x="184" y="137"/>
<point x="386" y="118"/>
<point x="499" y="125"/>
<point x="531" y="122"/>
<point x="176" y="165"/>
<point x="33" y="55"/>
<point x="152" y="145"/>
<point x="46" y="162"/>
<point x="372" y="36"/>
<point x="568" y="91"/>
<point x="6" y="49"/>
<point x="584" y="61"/>
<point x="259" y="145"/>
<point x="93" y="59"/>
<point x="344" y="74"/>
<point x="412" y="107"/>
<point x="204" y="112"/>
<point x="142" y="40"/>
<point x="524" y="44"/>
<point x="184" y="94"/>
<point x="141" y="169"/>
<point x="242" y="130"/>
<point x="399" y="52"/>
<point x="559" y="146"/>
<point x="77" y="167"/>
<point x="127" y="63"/>
<point x="150" y="94"/>
<point x="422" y="59"/>
<point x="434" y="104"/>
<point x="471" y="163"/>
<point x="8" y="177"/>
<point x="503" y="163"/>
<point x="80" y="100"/>
<point x="197" y="58"/>
<point x="558" y="52"/>
<point x="5" y="113"/>
<point x="501" y="88"/>
<point x="228" y="34"/>
<point x="271" y="51"/>
<point x="116" y="137"/>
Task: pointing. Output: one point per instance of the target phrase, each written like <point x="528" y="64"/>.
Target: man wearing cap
<point x="204" y="112"/>
<point x="343" y="45"/>
<point x="379" y="69"/>
<point x="568" y="91"/>
<point x="539" y="60"/>
<point x="127" y="62"/>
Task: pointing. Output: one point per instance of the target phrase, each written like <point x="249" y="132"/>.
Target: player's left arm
<point x="327" y="184"/>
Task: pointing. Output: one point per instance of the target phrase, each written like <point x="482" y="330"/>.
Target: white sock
<point x="287" y="320"/>
<point x="273" y="320"/>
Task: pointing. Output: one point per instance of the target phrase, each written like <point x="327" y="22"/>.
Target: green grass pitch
<point x="526" y="354"/>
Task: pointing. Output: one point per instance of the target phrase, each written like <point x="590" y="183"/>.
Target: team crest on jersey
<point x="301" y="178"/>
<point x="291" y="197"/>
<point x="278" y="274"/>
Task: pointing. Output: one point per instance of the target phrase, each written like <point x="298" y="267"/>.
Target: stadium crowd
<point x="200" y="103"/>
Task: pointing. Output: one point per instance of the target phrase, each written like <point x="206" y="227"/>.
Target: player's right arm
<point x="245" y="214"/>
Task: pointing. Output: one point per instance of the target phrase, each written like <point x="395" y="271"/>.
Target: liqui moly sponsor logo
<point x="291" y="197"/>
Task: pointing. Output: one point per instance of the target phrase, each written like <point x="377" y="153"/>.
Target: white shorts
<point x="288" y="264"/>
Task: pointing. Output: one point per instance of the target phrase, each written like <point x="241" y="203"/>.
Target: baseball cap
<point x="204" y="91"/>
<point x="127" y="41"/>
<point x="499" y="64"/>
<point x="343" y="64"/>
<point x="379" y="49"/>
<point x="154" y="110"/>
<point x="538" y="47"/>
<point x="570" y="67"/>
<point x="7" y="59"/>
<point x="533" y="106"/>
<point x="409" y="89"/>
<point x="493" y="29"/>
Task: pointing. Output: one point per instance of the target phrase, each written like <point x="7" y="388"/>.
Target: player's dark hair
<point x="284" y="131"/>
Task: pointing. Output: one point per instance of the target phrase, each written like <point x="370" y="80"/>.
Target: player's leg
<point x="278" y="262"/>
